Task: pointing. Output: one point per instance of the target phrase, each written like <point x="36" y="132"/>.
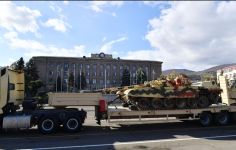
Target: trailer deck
<point x="119" y="114"/>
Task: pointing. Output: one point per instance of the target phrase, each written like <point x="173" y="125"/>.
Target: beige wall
<point x="48" y="66"/>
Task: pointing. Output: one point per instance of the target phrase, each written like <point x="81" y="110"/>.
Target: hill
<point x="196" y="75"/>
<point x="184" y="71"/>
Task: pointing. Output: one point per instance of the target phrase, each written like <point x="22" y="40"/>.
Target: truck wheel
<point x="206" y="119"/>
<point x="47" y="125"/>
<point x="222" y="118"/>
<point x="72" y="124"/>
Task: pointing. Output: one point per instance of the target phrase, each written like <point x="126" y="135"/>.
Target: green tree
<point x="19" y="64"/>
<point x="32" y="82"/>
<point x="34" y="86"/>
<point x="83" y="81"/>
<point x="71" y="80"/>
<point x="141" y="76"/>
<point x="31" y="70"/>
<point x="58" y="85"/>
<point x="125" y="80"/>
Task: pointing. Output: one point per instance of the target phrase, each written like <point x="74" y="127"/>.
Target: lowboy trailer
<point x="48" y="120"/>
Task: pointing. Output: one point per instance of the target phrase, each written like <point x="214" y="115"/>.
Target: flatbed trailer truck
<point x="48" y="120"/>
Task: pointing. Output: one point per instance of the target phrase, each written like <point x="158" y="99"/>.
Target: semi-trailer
<point x="17" y="113"/>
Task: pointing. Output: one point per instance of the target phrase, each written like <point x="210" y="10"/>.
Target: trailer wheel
<point x="206" y="119"/>
<point x="72" y="124"/>
<point x="47" y="125"/>
<point x="222" y="118"/>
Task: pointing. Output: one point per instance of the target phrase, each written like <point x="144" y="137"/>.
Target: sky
<point x="191" y="35"/>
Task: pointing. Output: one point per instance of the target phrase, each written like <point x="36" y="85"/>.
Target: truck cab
<point x="11" y="90"/>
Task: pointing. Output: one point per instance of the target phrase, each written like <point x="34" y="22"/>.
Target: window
<point x="114" y="70"/>
<point x="101" y="81"/>
<point x="11" y="86"/>
<point x="50" y="73"/>
<point x="87" y="73"/>
<point x="87" y="81"/>
<point x="108" y="67"/>
<point x="101" y="70"/>
<point x="94" y="70"/>
<point x="121" y="70"/>
<point x="66" y="65"/>
<point x="134" y="68"/>
<point x="87" y="66"/>
<point x="94" y="81"/>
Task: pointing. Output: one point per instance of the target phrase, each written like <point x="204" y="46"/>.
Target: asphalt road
<point x="159" y="136"/>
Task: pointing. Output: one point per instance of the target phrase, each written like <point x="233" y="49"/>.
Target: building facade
<point x="100" y="70"/>
<point x="229" y="72"/>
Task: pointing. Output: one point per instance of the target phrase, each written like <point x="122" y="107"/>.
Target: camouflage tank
<point x="168" y="93"/>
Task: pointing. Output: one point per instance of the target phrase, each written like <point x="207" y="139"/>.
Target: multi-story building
<point x="229" y="72"/>
<point x="100" y="70"/>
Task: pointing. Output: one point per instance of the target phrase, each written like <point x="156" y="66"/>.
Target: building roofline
<point x="96" y="58"/>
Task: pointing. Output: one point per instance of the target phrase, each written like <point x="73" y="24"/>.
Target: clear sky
<point x="191" y="35"/>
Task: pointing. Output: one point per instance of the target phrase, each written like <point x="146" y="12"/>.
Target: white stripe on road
<point x="136" y="142"/>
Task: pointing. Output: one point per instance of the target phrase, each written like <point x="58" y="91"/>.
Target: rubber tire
<point x="205" y="119"/>
<point x="222" y="118"/>
<point x="76" y="128"/>
<point x="42" y="122"/>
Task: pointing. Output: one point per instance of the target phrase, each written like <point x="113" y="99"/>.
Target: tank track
<point x="147" y="103"/>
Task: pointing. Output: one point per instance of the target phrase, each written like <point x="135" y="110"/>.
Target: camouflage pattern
<point x="167" y="93"/>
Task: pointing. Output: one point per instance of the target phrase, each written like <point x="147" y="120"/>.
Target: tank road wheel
<point x="143" y="104"/>
<point x="222" y="118"/>
<point x="47" y="125"/>
<point x="206" y="119"/>
<point x="181" y="103"/>
<point x="169" y="103"/>
<point x="157" y="104"/>
<point x="72" y="124"/>
<point x="192" y="103"/>
<point x="203" y="102"/>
